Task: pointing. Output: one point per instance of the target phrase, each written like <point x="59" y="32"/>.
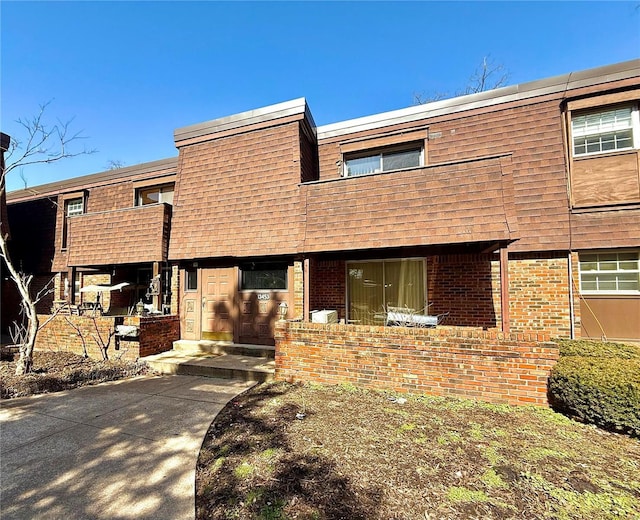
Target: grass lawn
<point x="310" y="452"/>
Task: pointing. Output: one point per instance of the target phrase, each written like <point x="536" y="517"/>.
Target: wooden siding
<point x="605" y="180"/>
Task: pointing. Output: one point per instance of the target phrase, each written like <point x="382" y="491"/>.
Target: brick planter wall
<point x="489" y="366"/>
<point x="157" y="334"/>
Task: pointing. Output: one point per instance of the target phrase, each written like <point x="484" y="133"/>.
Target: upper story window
<point x="384" y="160"/>
<point x="155" y="195"/>
<point x="605" y="130"/>
<point x="610" y="272"/>
<point x="72" y="207"/>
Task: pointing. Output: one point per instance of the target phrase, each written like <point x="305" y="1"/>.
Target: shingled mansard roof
<point x="299" y="107"/>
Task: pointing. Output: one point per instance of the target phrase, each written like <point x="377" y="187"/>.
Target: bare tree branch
<point x="44" y="143"/>
<point x="487" y="76"/>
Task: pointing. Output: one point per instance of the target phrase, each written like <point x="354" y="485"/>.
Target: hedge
<point x="590" y="348"/>
<point x="598" y="384"/>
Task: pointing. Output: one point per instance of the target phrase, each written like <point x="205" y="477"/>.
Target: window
<point x="375" y="287"/>
<point x="263" y="277"/>
<point x="155" y="195"/>
<point x="365" y="163"/>
<point x="602" y="131"/>
<point x="191" y="280"/>
<point x="609" y="272"/>
<point x="72" y="207"/>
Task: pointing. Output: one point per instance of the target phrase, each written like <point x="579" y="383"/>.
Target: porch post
<point x="305" y="288"/>
<point x="504" y="288"/>
<point x="157" y="298"/>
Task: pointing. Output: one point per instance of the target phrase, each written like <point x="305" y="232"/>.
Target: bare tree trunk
<point x="43" y="144"/>
<point x="29" y="307"/>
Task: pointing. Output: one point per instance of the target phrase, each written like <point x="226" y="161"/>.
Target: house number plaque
<point x="264" y="296"/>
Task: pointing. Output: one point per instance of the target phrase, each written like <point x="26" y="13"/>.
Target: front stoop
<point x="216" y="359"/>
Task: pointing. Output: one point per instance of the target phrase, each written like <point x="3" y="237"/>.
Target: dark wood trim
<point x="504" y="288"/>
<point x="306" y="287"/>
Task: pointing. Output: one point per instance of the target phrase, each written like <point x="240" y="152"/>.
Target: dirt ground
<point x="311" y="452"/>
<point x="56" y="371"/>
<point x="282" y="451"/>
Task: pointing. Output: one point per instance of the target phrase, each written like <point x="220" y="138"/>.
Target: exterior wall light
<point x="282" y="310"/>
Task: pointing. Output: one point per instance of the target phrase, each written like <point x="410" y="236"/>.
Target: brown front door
<point x="218" y="307"/>
<point x="259" y="311"/>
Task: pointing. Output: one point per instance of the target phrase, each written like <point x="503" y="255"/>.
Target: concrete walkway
<point x="125" y="449"/>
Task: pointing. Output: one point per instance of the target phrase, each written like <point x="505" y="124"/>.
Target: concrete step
<point x="226" y="366"/>
<point x="224" y="347"/>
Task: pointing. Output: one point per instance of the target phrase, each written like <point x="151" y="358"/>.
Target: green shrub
<point x="589" y="348"/>
<point x="600" y="390"/>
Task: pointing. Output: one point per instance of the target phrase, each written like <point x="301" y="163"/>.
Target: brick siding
<point x="487" y="366"/>
<point x="539" y="294"/>
<point x="157" y="334"/>
<point x="468" y="288"/>
<point x="328" y="286"/>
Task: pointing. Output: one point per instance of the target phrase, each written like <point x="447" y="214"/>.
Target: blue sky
<point x="129" y="73"/>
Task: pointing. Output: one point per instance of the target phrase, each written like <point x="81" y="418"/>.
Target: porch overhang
<point x="447" y="204"/>
<point x="124" y="236"/>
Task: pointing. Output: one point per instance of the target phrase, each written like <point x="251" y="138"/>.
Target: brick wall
<point x="60" y="334"/>
<point x="467" y="287"/>
<point x="488" y="366"/>
<point x="539" y="293"/>
<point x="328" y="286"/>
<point x="157" y="333"/>
<point x="298" y="291"/>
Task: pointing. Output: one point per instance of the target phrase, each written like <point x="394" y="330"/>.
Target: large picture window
<point x="610" y="272"/>
<point x="377" y="287"/>
<point x="604" y="130"/>
<point x="366" y="163"/>
<point x="263" y="277"/>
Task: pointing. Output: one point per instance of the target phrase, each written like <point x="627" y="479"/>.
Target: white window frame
<point x="381" y="152"/>
<point x="599" y="271"/>
<point x="634" y="127"/>
<point x="74" y="206"/>
<point x="160" y="188"/>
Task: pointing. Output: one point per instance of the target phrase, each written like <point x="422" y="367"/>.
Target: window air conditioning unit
<point x="324" y="316"/>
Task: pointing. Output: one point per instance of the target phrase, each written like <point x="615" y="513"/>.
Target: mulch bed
<point x="57" y="371"/>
